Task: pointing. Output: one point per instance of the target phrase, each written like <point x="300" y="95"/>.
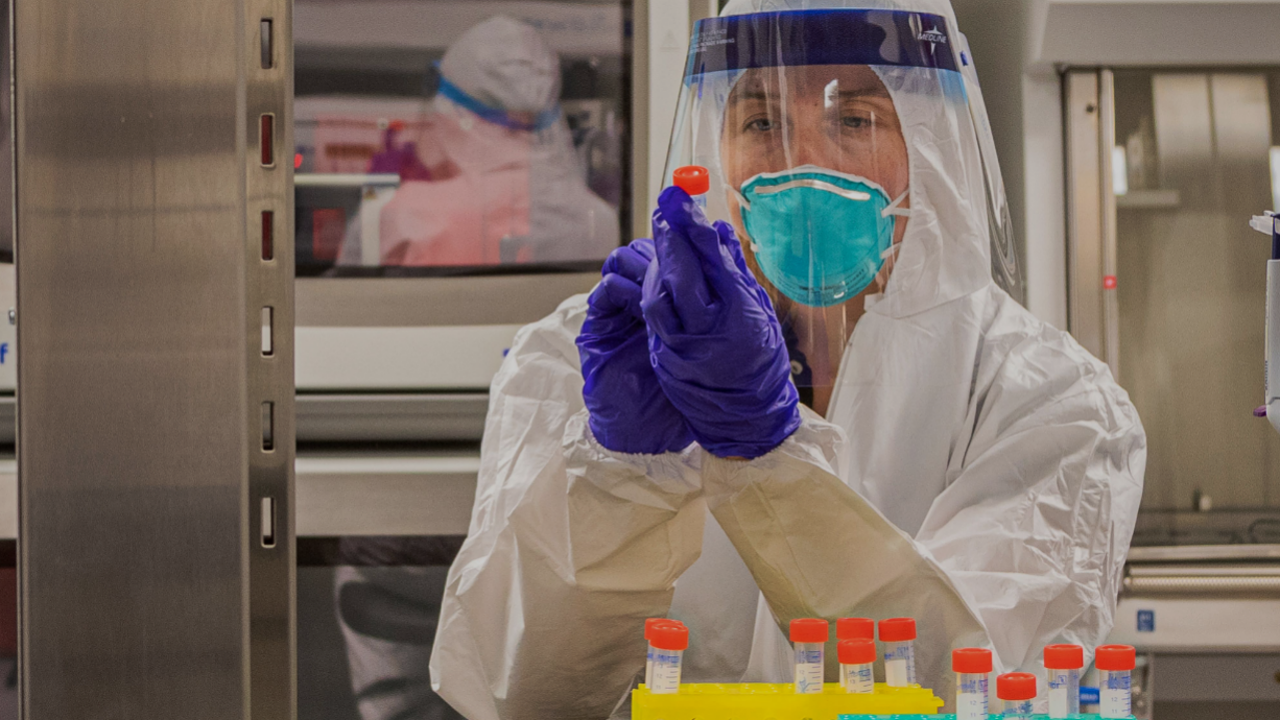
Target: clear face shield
<point x="810" y="124"/>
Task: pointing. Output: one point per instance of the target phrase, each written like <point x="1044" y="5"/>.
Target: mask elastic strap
<point x="893" y="208"/>
<point x="746" y="205"/>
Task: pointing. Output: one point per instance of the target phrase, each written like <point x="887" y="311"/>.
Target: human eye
<point x="857" y="119"/>
<point x="760" y="123"/>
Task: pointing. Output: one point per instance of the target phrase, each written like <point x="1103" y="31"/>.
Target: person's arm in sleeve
<point x="571" y="547"/>
<point x="1039" y="511"/>
<point x="1024" y="548"/>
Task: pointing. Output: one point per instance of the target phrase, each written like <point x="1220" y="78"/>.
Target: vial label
<point x="858" y="678"/>
<point x="1020" y="710"/>
<point x="809" y="671"/>
<point x="1064" y="693"/>
<point x="648" y="668"/>
<point x="895" y="673"/>
<point x="971" y="706"/>
<point x="971" y="700"/>
<point x="666" y="673"/>
<point x="1114" y="695"/>
<point x="900" y="665"/>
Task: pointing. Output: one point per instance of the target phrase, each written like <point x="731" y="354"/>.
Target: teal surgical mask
<point x="820" y="236"/>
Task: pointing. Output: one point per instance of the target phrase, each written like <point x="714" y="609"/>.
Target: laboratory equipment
<point x="1115" y="664"/>
<point x="809" y="636"/>
<point x="1062" y="665"/>
<point x="695" y="180"/>
<point x="971" y="667"/>
<point x="649" y="626"/>
<point x="1017" y="693"/>
<point x="1269" y="224"/>
<point x="669" y="643"/>
<point x="899" y="636"/>
<point x="771" y="701"/>
<point x="857" y="659"/>
<point x="855" y="629"/>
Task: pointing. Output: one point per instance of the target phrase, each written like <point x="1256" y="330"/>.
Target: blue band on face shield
<point x="497" y="116"/>
<point x="819" y="236"/>
<point x="821" y="37"/>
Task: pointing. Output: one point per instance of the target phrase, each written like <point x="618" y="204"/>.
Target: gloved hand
<point x="628" y="412"/>
<point x="714" y="340"/>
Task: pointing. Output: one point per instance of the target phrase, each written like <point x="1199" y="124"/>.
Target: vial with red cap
<point x="695" y="180"/>
<point x="855" y="629"/>
<point x="1017" y="691"/>
<point x="972" y="667"/>
<point x="669" y="642"/>
<point x="1062" y="664"/>
<point x="857" y="659"/>
<point x="899" y="638"/>
<point x="1115" y="665"/>
<point x="649" y="625"/>
<point x="809" y="637"/>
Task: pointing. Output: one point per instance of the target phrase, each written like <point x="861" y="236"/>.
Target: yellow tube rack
<point x="769" y="701"/>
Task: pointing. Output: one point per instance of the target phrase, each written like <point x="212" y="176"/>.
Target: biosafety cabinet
<point x="1169" y="120"/>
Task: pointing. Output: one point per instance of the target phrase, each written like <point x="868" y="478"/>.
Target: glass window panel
<point x="455" y="136"/>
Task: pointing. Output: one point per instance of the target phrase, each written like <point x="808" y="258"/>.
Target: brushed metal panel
<point x="144" y="593"/>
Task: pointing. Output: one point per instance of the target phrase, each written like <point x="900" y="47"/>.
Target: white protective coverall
<point x="977" y="470"/>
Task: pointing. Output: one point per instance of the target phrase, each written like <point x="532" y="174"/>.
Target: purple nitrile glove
<point x="628" y="412"/>
<point x="714" y="339"/>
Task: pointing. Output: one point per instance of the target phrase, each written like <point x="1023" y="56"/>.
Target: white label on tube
<point x="895" y="673"/>
<point x="666" y="673"/>
<point x="808" y="678"/>
<point x="971" y="706"/>
<point x="1114" y="695"/>
<point x="858" y="678"/>
<point x="1059" y="706"/>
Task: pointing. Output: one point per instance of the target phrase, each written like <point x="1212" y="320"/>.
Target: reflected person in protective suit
<point x="646" y="453"/>
<point x="504" y="183"/>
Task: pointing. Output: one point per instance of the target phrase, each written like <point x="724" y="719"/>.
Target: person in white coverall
<point x="959" y="461"/>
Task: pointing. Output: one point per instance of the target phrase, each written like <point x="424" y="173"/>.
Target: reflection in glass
<point x="436" y="134"/>
<point x="1191" y="286"/>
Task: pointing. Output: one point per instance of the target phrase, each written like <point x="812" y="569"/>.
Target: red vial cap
<point x="809" y="630"/>
<point x="859" y="651"/>
<point x="1016" y="686"/>
<point x="651" y="623"/>
<point x="897" y="629"/>
<point x="669" y="637"/>
<point x="693" y="179"/>
<point x="855" y="629"/>
<point x="971" y="660"/>
<point x="1116" y="657"/>
<point x="1063" y="657"/>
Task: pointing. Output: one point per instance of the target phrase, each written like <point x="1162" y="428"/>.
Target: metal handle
<point x="1202" y="584"/>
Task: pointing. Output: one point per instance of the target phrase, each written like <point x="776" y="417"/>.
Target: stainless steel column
<point x="155" y="389"/>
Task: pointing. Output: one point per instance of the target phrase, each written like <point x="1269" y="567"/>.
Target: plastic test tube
<point x="1018" y="691"/>
<point x="1062" y="665"/>
<point x="809" y="635"/>
<point x="857" y="658"/>
<point x="649" y="625"/>
<point x="1115" y="665"/>
<point x="855" y="629"/>
<point x="695" y="180"/>
<point x="669" y="643"/>
<point x="972" y="667"/>
<point x="899" y="638"/>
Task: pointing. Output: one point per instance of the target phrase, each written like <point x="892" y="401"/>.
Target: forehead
<point x="806" y="79"/>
